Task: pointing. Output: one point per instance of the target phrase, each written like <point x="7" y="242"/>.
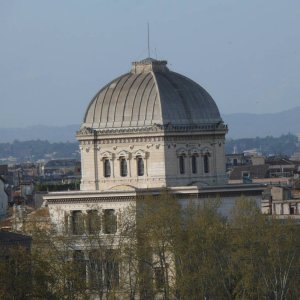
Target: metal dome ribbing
<point x="151" y="94"/>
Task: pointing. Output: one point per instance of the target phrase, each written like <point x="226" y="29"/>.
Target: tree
<point x="265" y="254"/>
<point x="161" y="247"/>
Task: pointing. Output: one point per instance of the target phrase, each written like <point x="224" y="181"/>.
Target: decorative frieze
<point x="89" y="199"/>
<point x="152" y="139"/>
<point x="155" y="128"/>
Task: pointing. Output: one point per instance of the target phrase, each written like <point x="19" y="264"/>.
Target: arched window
<point x="194" y="163"/>
<point x="181" y="164"/>
<point x="106" y="167"/>
<point x="206" y="163"/>
<point x="140" y="166"/>
<point x="123" y="167"/>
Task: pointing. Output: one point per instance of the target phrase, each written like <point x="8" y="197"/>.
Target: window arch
<point x="140" y="166"/>
<point x="194" y="164"/>
<point x="106" y="167"/>
<point x="123" y="167"/>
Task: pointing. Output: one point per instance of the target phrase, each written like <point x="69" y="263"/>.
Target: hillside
<point x="283" y="145"/>
<point x="39" y="132"/>
<point x="243" y="125"/>
<point x="35" y="150"/>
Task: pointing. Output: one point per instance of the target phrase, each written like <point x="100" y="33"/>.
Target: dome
<point x="151" y="94"/>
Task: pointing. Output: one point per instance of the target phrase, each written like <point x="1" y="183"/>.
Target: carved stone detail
<point x="85" y="131"/>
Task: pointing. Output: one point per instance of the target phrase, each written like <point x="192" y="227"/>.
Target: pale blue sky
<point x="55" y="55"/>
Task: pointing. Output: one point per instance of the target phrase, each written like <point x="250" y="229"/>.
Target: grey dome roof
<point x="150" y="94"/>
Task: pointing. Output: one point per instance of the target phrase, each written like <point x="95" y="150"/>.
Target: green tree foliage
<point x="54" y="187"/>
<point x="266" y="254"/>
<point x="165" y="248"/>
<point x="15" y="273"/>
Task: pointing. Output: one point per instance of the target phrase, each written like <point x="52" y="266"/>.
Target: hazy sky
<point x="55" y="55"/>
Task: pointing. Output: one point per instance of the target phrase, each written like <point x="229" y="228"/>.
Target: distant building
<point x="282" y="202"/>
<point x="272" y="170"/>
<point x="61" y="168"/>
<point x="3" y="199"/>
<point x="234" y="160"/>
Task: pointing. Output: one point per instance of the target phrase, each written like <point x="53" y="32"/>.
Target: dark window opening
<point x="109" y="221"/>
<point x="77" y="223"/>
<point x="95" y="270"/>
<point x="106" y="167"/>
<point x="194" y="164"/>
<point x="111" y="273"/>
<point x="123" y="167"/>
<point x="181" y="164"/>
<point x="93" y="222"/>
<point x="206" y="163"/>
<point x="78" y="257"/>
<point x="159" y="278"/>
<point x="140" y="166"/>
<point x="103" y="269"/>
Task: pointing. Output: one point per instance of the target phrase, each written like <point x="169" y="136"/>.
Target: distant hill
<point x="38" y="149"/>
<point x="286" y="144"/>
<point x="39" y="132"/>
<point x="243" y="125"/>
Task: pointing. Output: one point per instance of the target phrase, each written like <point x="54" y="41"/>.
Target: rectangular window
<point x="93" y="222"/>
<point x="77" y="222"/>
<point x="245" y="174"/>
<point x="103" y="269"/>
<point x="78" y="257"/>
<point x="95" y="270"/>
<point x="109" y="221"/>
<point x="159" y="277"/>
<point x="111" y="273"/>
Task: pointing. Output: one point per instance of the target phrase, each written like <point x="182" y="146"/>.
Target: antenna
<point x="148" y="39"/>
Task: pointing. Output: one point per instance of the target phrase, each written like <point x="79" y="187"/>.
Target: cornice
<point x="90" y="199"/>
<point x="87" y="132"/>
<point x="151" y="138"/>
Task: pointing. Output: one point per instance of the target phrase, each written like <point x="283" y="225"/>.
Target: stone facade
<point x="160" y="151"/>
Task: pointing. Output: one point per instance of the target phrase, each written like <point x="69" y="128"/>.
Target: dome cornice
<point x="169" y="128"/>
